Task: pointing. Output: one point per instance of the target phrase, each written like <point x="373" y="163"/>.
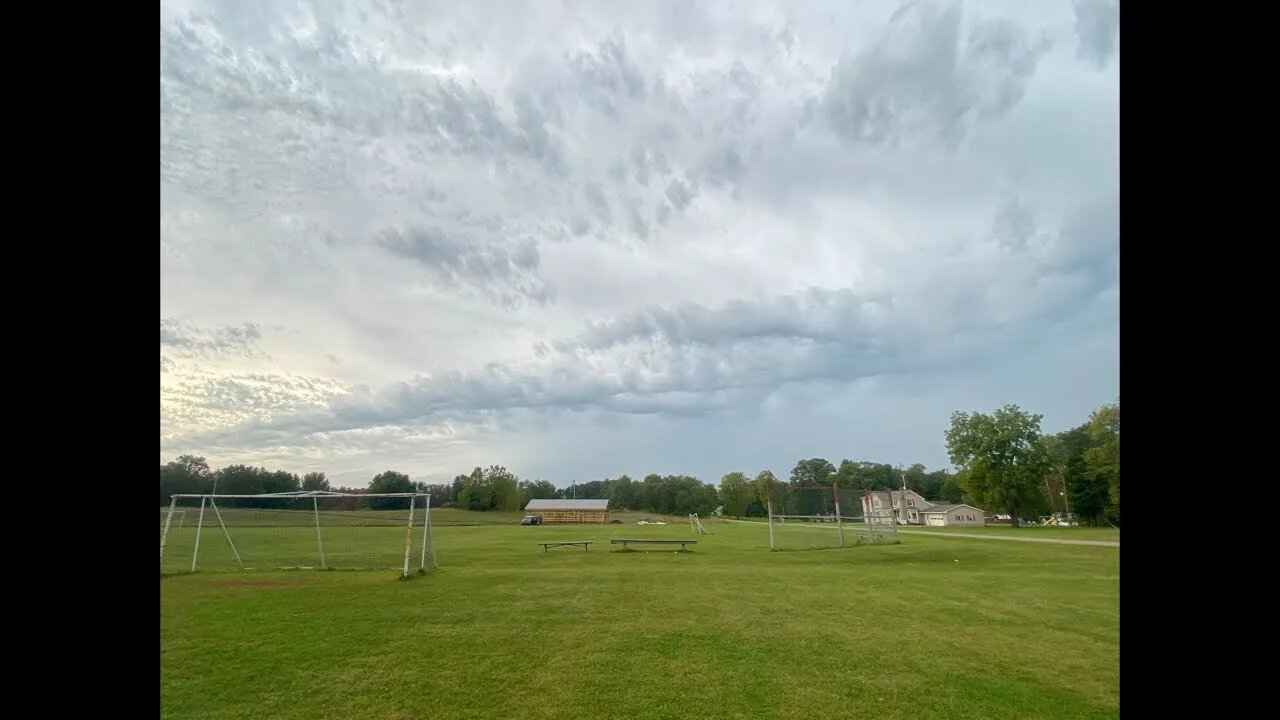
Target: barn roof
<point x="567" y="505"/>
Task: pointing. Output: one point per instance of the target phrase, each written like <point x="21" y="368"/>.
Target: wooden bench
<point x="583" y="543"/>
<point x="681" y="543"/>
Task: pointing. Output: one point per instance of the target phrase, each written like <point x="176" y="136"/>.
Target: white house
<point x="910" y="508"/>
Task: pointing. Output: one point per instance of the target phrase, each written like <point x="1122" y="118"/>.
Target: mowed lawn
<point x="932" y="627"/>
<point x="1108" y="534"/>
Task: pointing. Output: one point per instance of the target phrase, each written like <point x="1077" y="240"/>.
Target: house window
<point x="911" y="503"/>
<point x="959" y="517"/>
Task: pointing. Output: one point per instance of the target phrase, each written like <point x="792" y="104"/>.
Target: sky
<point x="586" y="238"/>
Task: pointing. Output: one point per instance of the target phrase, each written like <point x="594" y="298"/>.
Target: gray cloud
<point x="1014" y="224"/>
<point x="1097" y="28"/>
<point x="507" y="274"/>
<point x="712" y="212"/>
<point x="188" y="340"/>
<point x="924" y="81"/>
<point x="691" y="359"/>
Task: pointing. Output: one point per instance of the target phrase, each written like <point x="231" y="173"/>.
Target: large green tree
<point x="1104" y="458"/>
<point x="538" y="489"/>
<point x="315" y="481"/>
<point x="767" y="486"/>
<point x="491" y="488"/>
<point x="951" y="490"/>
<point x="187" y="475"/>
<point x="389" y="481"/>
<point x="736" y="492"/>
<point x="1003" y="456"/>
<point x="248" y="480"/>
<point x="813" y="472"/>
<point x="1086" y="494"/>
<point x="625" y="494"/>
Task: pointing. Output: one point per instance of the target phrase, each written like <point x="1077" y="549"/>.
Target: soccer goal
<point x="808" y="518"/>
<point x="695" y="524"/>
<point x="319" y="530"/>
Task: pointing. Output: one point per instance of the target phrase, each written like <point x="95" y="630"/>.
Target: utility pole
<point x="903" y="501"/>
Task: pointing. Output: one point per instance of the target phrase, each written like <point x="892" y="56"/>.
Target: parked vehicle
<point x="531" y="520"/>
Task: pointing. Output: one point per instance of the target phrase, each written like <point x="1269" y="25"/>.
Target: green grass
<point x="728" y="630"/>
<point x="1068" y="533"/>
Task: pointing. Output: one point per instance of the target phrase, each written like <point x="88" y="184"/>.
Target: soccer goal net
<point x="299" y="530"/>
<point x="804" y="518"/>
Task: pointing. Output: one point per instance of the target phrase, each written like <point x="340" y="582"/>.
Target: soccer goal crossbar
<point x="304" y="494"/>
<point x="283" y="512"/>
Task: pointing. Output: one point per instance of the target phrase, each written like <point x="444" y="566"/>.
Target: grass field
<point x="1060" y="533"/>
<point x="931" y="627"/>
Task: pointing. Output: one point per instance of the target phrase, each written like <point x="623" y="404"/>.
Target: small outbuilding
<point x="566" y="512"/>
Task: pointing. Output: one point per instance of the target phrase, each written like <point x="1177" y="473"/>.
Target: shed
<point x="563" y="512"/>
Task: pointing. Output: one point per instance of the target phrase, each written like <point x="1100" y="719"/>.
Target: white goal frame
<point x="315" y="495"/>
<point x="695" y="524"/>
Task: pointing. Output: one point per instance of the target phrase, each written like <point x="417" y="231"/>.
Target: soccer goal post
<point x="297" y="530"/>
<point x="805" y="518"/>
<point x="695" y="524"/>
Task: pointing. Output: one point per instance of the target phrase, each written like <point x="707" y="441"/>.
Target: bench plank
<point x="664" y="542"/>
<point x="625" y="542"/>
<point x="560" y="543"/>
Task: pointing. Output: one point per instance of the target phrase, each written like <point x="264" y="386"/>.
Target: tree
<point x="624" y="494"/>
<point x="315" y="481"/>
<point x="389" y="481"/>
<point x="951" y="490"/>
<point x="246" y="480"/>
<point x="1086" y="493"/>
<point x="538" y="489"/>
<point x="1104" y="458"/>
<point x="492" y="488"/>
<point x="735" y="489"/>
<point x="916" y="478"/>
<point x="1003" y="454"/>
<point x="767" y="485"/>
<point x="932" y="484"/>
<point x="814" y="472"/>
<point x="187" y="475"/>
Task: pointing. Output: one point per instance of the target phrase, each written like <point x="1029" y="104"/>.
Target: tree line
<point x="1004" y="465"/>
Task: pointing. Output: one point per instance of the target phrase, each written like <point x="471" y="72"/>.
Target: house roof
<point x="897" y="496"/>
<point x="567" y="505"/>
<point x="948" y="507"/>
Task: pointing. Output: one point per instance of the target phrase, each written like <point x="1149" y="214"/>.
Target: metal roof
<point x="567" y="505"/>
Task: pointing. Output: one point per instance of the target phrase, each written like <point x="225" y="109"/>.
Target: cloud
<point x="926" y="80"/>
<point x="692" y="360"/>
<point x="188" y="340"/>
<point x="1097" y="29"/>
<point x="506" y="273"/>
<point x="466" y="235"/>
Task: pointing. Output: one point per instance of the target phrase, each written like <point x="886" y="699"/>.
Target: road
<point x="1052" y="541"/>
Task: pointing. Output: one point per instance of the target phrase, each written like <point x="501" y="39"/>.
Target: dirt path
<point x="1054" y="541"/>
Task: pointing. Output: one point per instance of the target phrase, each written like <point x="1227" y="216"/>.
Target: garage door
<point x="935" y="519"/>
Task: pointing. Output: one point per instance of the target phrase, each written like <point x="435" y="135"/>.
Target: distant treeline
<point x="1080" y="466"/>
